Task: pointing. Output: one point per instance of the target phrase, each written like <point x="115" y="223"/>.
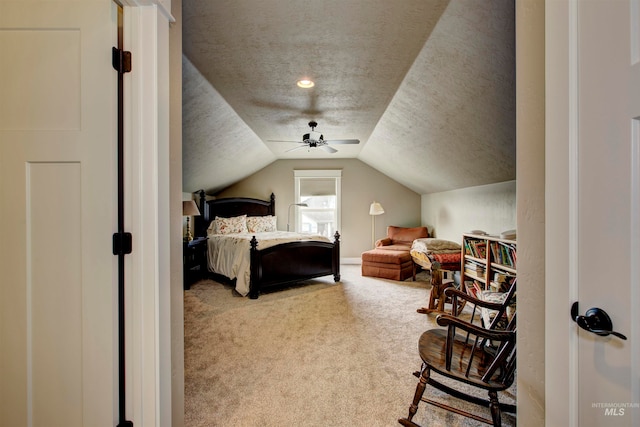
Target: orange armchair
<point x="401" y="238"/>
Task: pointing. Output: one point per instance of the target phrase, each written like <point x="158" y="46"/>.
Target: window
<point x="320" y="191"/>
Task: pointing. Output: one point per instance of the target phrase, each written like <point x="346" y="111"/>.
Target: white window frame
<point x="323" y="174"/>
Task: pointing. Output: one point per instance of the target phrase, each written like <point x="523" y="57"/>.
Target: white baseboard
<point x="357" y="261"/>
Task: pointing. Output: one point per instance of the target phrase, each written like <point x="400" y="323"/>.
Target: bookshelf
<point x="488" y="263"/>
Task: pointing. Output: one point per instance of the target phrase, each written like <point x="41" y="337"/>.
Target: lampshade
<point x="189" y="208"/>
<point x="376" y="209"/>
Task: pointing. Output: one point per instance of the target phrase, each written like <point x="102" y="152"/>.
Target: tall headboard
<point x="230" y="207"/>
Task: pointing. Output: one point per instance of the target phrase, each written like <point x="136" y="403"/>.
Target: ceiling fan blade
<point x="328" y="149"/>
<point x="273" y="105"/>
<point x="279" y="140"/>
<point x="297" y="148"/>
<point x="343" y="141"/>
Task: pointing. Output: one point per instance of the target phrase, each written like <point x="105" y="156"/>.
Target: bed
<point x="265" y="259"/>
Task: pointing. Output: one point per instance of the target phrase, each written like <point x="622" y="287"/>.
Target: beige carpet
<point x="323" y="354"/>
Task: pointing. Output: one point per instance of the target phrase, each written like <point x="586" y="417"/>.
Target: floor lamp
<point x="374" y="210"/>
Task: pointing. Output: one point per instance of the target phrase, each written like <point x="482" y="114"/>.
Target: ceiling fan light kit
<point x="312" y="136"/>
<point x="315" y="139"/>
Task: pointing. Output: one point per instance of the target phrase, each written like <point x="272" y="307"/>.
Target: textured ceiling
<point x="426" y="86"/>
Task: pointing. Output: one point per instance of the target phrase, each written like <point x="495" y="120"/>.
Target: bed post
<point x="336" y="258"/>
<point x="201" y="221"/>
<point x="254" y="272"/>
<point x="272" y="206"/>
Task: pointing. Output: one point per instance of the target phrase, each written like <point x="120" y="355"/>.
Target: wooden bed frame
<point x="278" y="265"/>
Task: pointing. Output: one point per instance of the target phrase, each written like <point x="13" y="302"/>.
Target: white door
<point x="58" y="364"/>
<point x="593" y="206"/>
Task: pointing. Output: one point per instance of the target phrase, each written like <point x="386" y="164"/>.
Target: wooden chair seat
<point x="430" y="347"/>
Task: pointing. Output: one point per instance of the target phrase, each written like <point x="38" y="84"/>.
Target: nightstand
<point x="194" y="255"/>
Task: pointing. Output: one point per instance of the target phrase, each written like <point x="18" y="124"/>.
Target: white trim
<point x="163" y="312"/>
<point x="574" y="273"/>
<point x="318" y="173"/>
<point x="146" y="30"/>
<point x="634" y="16"/>
<point x="164" y="6"/>
<point x="635" y="269"/>
<point x="351" y="261"/>
<point x="560" y="407"/>
<point x="29" y="294"/>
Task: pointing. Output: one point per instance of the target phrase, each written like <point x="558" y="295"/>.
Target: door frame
<point x="561" y="212"/>
<point x="147" y="212"/>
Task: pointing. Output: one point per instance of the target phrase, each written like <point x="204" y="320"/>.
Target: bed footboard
<point x="292" y="262"/>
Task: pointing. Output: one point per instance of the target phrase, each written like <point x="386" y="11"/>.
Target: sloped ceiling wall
<point x="219" y="149"/>
<point x="449" y="124"/>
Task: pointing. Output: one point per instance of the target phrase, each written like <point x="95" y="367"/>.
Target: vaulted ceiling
<point x="427" y="86"/>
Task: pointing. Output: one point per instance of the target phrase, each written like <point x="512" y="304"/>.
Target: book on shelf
<point x="495" y="252"/>
<point x="503" y="253"/>
<point x="489" y="264"/>
<point x="471" y="288"/>
<point x="475" y="265"/>
<point x="475" y="248"/>
<point x="502" y="281"/>
<point x="481" y="248"/>
<point x="478" y="287"/>
<point x="468" y="249"/>
<point x="501" y="277"/>
<point x="474" y="268"/>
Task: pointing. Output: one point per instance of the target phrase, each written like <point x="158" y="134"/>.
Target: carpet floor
<point x="322" y="354"/>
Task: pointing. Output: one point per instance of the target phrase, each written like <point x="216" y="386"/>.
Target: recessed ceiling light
<point x="305" y="83"/>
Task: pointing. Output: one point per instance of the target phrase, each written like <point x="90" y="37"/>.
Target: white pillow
<point x="260" y="224"/>
<point x="236" y="224"/>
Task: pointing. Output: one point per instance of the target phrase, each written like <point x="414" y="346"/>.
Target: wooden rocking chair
<point x="437" y="297"/>
<point x="478" y="357"/>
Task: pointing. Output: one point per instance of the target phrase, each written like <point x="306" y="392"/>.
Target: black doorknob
<point x="595" y="320"/>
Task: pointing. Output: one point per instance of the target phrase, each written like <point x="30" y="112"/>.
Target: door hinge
<point x="122" y="243"/>
<point x="121" y="60"/>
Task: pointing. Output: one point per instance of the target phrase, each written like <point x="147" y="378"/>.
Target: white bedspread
<point x="228" y="254"/>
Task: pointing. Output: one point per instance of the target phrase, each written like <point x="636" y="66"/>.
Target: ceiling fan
<point x="316" y="139"/>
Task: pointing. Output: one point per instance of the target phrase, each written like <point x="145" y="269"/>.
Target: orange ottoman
<point x="387" y="264"/>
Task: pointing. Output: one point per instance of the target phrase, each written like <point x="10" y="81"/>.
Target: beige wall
<point x="530" y="159"/>
<point x="361" y="185"/>
<point x="491" y="208"/>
